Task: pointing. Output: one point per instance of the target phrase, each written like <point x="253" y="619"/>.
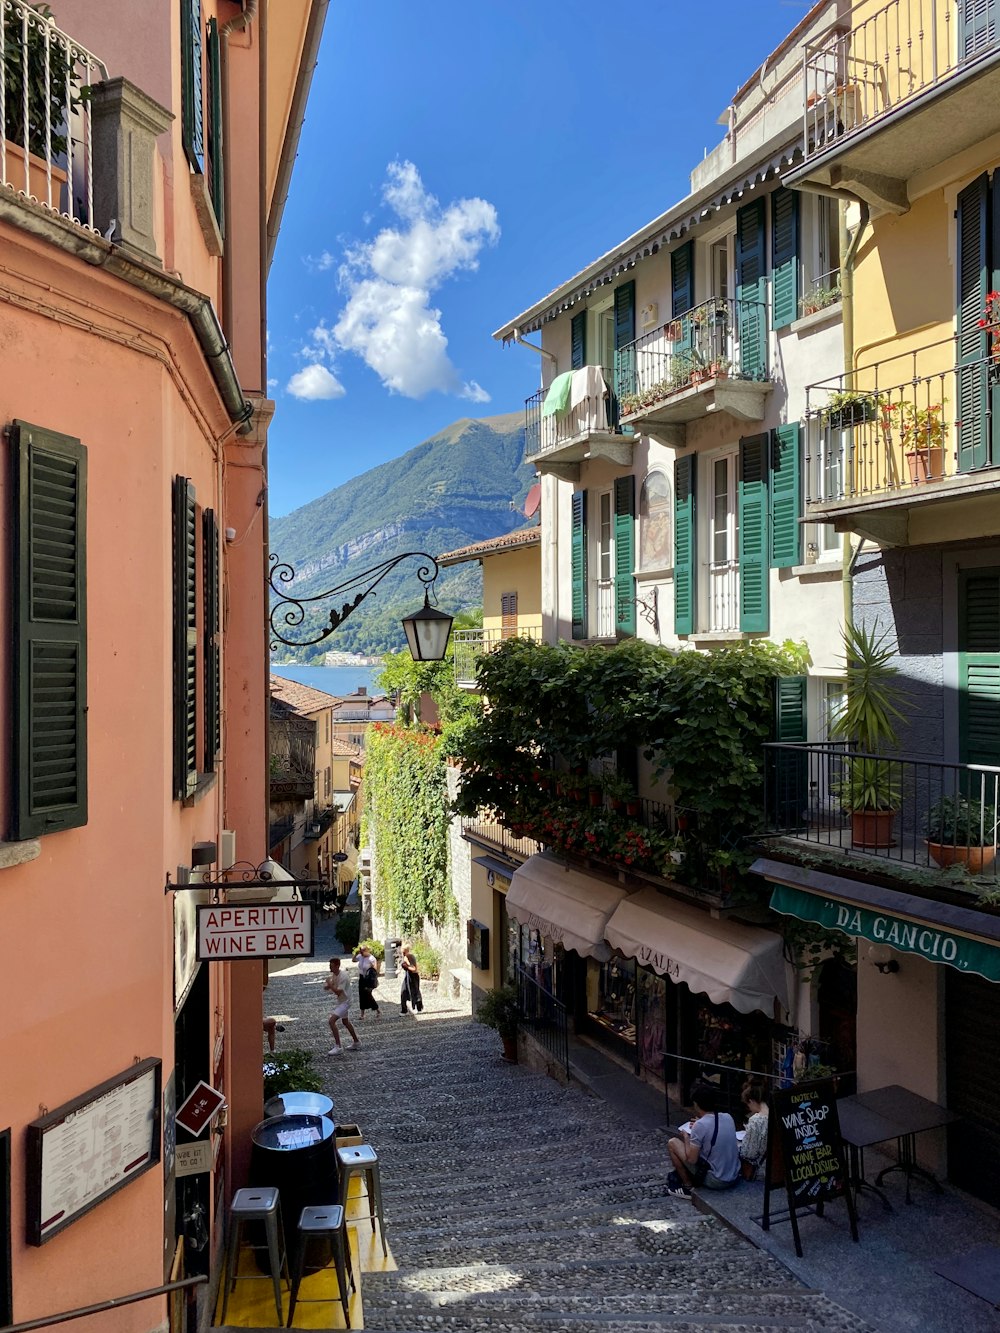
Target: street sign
<point x="268" y="930"/>
<point x="339" y="856"/>
<point x="199" y="1109"/>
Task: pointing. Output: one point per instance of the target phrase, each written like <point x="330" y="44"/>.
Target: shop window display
<point x="652" y="1002"/>
<point x="614" y="1006"/>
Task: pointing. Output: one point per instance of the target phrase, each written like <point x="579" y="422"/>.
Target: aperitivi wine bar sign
<point x="268" y="930"/>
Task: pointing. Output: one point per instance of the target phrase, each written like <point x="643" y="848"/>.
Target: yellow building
<point x="902" y="115"/>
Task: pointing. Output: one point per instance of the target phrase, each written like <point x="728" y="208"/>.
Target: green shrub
<point x="376" y="946"/>
<point x="428" y="959"/>
<point x="348" y="930"/>
<point x="290" y="1071"/>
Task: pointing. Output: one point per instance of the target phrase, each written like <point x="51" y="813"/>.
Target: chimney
<point x="362" y="689"/>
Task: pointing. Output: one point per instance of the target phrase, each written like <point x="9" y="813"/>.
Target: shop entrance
<point x="191" y="1066"/>
<point x="6" y="1274"/>
<point x="972" y="1034"/>
<point x="837" y="996"/>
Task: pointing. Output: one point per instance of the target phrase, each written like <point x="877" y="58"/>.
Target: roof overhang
<point x="567" y="906"/>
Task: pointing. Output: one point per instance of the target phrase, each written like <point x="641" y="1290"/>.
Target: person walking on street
<point x="409" y="991"/>
<point x="336" y="984"/>
<point x="367" y="981"/>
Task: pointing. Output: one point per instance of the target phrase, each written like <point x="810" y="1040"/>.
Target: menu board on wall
<point x="87" y="1149"/>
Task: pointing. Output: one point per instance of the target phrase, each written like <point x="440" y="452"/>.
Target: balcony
<point x="712" y="359"/>
<point x="491" y="831"/>
<point x="471" y="644"/>
<point x="587" y="427"/>
<point x="896" y="90"/>
<point x="919" y="815"/>
<point x="913" y="430"/>
<point x="46" y="116"/>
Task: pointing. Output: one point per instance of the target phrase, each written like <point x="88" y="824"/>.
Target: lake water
<point x="337" y="680"/>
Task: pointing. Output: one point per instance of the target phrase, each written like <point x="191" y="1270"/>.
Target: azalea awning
<point x="729" y="962"/>
<point x="568" y="906"/>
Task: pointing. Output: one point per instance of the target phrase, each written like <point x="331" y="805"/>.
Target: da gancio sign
<point x="921" y="938"/>
<point x="271" y="930"/>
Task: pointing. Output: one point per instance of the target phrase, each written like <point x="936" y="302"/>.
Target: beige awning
<point x="567" y="906"/>
<point x="729" y="962"/>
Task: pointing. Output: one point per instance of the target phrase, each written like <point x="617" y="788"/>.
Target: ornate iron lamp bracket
<point x="241" y="874"/>
<point x="289" y="613"/>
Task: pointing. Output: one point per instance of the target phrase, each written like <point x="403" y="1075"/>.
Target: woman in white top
<point x="367" y="980"/>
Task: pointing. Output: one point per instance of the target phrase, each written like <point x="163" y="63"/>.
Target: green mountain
<point x="451" y="490"/>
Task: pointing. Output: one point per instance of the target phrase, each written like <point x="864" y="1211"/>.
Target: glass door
<point x="605" y="589"/>
<point x="724" y="570"/>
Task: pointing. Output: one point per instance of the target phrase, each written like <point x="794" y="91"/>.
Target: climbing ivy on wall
<point x="407" y="814"/>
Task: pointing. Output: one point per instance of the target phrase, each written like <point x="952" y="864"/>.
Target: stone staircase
<point x="515" y="1205"/>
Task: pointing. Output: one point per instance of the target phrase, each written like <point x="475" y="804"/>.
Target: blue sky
<point x="464" y="157"/>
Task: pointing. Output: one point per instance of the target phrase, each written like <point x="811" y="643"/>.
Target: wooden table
<point x="893" y="1112"/>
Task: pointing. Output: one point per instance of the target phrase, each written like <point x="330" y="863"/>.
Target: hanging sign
<point x="267" y="930"/>
<point x="806" y="1152"/>
<point x="194" y="1159"/>
<point x="200" y="1107"/>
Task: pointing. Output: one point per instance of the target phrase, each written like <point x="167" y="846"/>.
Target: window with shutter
<point x="49" y="742"/>
<point x="753" y="505"/>
<point x="682" y="295"/>
<point x="578" y="341"/>
<point x="185" y="641"/>
<point x="751" y="289"/>
<point x="210" y="638"/>
<point x="786" y="505"/>
<point x="979" y="666"/>
<point x="508" y="615"/>
<point x="973" y="284"/>
<point x="788" y="773"/>
<point x="578" y="562"/>
<point x="192" y="89"/>
<point x="214" y="130"/>
<point x="979" y="25"/>
<point x="625" y="378"/>
<point x="685" y="545"/>
<point x="784" y="256"/>
<point x="625" y="554"/>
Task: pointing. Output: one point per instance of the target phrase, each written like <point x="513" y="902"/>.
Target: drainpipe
<point x="533" y="347"/>
<point x="849" y="246"/>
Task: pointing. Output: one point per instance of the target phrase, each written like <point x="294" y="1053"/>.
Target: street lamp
<point x="427" y="630"/>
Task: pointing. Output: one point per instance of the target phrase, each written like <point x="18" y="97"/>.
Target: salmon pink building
<point x="145" y="155"/>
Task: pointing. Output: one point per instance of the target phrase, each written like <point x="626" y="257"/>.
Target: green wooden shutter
<point x="210" y="638"/>
<point x="185" y="641"/>
<point x="578" y="341"/>
<point x="753" y="504"/>
<point x="192" y="109"/>
<point x="979" y="666"/>
<point x="784" y="256"/>
<point x="625" y="378"/>
<point x="973" y="284"/>
<point x="751" y="288"/>
<point x="787" y="771"/>
<point x="578" y="561"/>
<point x="625" y="554"/>
<point x="49" y="732"/>
<point x="978" y="27"/>
<point x="214" y="136"/>
<point x="786" y="502"/>
<point x="685" y="545"/>
<point x="682" y="294"/>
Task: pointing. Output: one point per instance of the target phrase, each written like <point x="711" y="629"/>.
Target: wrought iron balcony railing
<point x="491" y="831"/>
<point x="911" y="811"/>
<point x="596" y="412"/>
<point x="903" y="423"/>
<point x="46" y="130"/>
<point x="718" y="340"/>
<point x="471" y="644"/>
<point x="878" y="58"/>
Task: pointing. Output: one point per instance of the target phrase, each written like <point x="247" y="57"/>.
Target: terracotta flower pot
<point x="975" y="859"/>
<point x="596" y="797"/>
<point x="510" y="1049"/>
<point x="36" y="183"/>
<point x="926" y="464"/>
<point x="632" y="809"/>
<point x="872" y="828"/>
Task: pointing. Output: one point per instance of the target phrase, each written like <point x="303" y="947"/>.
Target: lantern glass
<point x="427" y="632"/>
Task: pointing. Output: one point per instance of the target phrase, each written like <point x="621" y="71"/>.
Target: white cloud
<point x="320" y="263"/>
<point x="388" y="319"/>
<point x="272" y="384"/>
<point x="314" y="382"/>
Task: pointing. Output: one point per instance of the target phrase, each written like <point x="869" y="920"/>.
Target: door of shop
<point x="6" y="1275"/>
<point x="972" y="1031"/>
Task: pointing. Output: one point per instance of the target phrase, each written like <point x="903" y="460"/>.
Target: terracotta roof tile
<point x="301" y="698"/>
<point x="509" y="541"/>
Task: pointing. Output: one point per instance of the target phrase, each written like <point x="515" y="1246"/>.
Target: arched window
<point x="654" y="522"/>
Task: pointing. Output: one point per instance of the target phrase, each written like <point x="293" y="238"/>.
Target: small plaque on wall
<point x="91" y="1147"/>
<point x="478" y="945"/>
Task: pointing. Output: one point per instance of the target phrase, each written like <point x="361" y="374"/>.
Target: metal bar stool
<point x="361" y="1160"/>
<point x="323" y="1223"/>
<point x="255" y="1205"/>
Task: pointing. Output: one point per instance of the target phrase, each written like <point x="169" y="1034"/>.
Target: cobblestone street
<point x="515" y="1204"/>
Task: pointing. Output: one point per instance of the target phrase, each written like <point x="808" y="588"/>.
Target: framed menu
<point x="91" y="1147"/>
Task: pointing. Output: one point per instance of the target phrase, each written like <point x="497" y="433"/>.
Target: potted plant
<point x="819" y="299"/>
<point x="498" y="1009"/>
<point x="850" y="407"/>
<point x="290" y="1071"/>
<point x="24" y="75"/>
<point x="921" y="434"/>
<point x="869" y="789"/>
<point x="991" y="322"/>
<point x="962" y="831"/>
<point x="617" y="789"/>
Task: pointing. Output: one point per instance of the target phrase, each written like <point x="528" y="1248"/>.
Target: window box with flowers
<point x="991" y="323"/>
<point x="922" y="437"/>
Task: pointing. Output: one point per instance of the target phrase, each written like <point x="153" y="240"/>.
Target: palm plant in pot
<point x="962" y="831"/>
<point x="870" y="788"/>
<point x="498" y="1009"/>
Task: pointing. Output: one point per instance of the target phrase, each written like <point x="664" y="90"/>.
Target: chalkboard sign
<point x="805" y="1153"/>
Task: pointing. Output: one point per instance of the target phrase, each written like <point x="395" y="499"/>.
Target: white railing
<point x="471" y="644"/>
<point x="46" y="131"/>
<point x="605" y="590"/>
<point x="724" y="596"/>
<point x="593" y="412"/>
<point x="878" y="58"/>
